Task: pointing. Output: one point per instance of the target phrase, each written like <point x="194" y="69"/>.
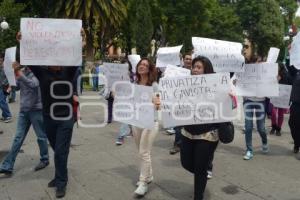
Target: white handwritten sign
<point x="174" y="71"/>
<point x="9" y="58"/>
<point x="55" y="42"/>
<point x="295" y="51"/>
<point x="115" y="72"/>
<point x="258" y="80"/>
<point x="283" y="100"/>
<point x="134" y="60"/>
<point x="197" y="99"/>
<point x="133" y="105"/>
<point x="168" y="55"/>
<point x="225" y="56"/>
<point x="273" y="55"/>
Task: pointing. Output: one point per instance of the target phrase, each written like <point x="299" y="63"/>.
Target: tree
<point x="225" y="23"/>
<point x="12" y="13"/>
<point x="263" y="23"/>
<point x="101" y="19"/>
<point x="143" y="28"/>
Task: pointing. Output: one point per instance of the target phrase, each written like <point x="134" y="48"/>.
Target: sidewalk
<point x="99" y="170"/>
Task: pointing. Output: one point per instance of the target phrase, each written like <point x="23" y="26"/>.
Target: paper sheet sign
<point x="225" y="56"/>
<point x="133" y="105"/>
<point x="115" y="72"/>
<point x="258" y="80"/>
<point x="53" y="42"/>
<point x="168" y="55"/>
<point x="10" y="57"/>
<point x="283" y="100"/>
<point x="134" y="60"/>
<point x="174" y="71"/>
<point x="295" y="51"/>
<point x="273" y="55"/>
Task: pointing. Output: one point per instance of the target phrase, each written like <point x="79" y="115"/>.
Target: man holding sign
<point x="43" y="39"/>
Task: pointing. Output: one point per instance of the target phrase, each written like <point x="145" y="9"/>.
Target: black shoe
<point x="60" y="192"/>
<point x="5" y="172"/>
<point x="52" y="184"/>
<point x="272" y="131"/>
<point x="174" y="150"/>
<point x="41" y="165"/>
<point x="278" y="133"/>
<point x="296" y="149"/>
<point x="1" y="132"/>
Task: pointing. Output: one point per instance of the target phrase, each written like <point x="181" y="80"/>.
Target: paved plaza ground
<point x="100" y="170"/>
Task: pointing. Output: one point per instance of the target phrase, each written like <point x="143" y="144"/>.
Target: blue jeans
<point x="59" y="133"/>
<point x="258" y="108"/>
<point x="24" y="122"/>
<point x="125" y="130"/>
<point x="177" y="135"/>
<point x="95" y="83"/>
<point x="3" y="105"/>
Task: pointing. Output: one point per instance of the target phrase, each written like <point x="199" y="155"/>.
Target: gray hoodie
<point x="30" y="94"/>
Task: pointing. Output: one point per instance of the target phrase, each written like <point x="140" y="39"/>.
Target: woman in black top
<point x="199" y="141"/>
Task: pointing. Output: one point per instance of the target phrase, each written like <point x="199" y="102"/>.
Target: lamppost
<point x="3" y="25"/>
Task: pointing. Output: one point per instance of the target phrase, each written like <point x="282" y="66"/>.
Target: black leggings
<point x="294" y="123"/>
<point x="195" y="157"/>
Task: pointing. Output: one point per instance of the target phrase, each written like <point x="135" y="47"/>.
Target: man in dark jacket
<point x="30" y="114"/>
<point x="58" y="92"/>
<point x="295" y="107"/>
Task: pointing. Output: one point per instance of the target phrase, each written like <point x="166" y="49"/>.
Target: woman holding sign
<point x="200" y="141"/>
<point x="145" y="75"/>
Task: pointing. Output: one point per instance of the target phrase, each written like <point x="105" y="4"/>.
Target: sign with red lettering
<point x="52" y="42"/>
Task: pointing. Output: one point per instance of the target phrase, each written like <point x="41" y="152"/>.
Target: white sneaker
<point x="142" y="189"/>
<point x="265" y="148"/>
<point x="209" y="174"/>
<point x="248" y="155"/>
<point x="148" y="182"/>
<point x="170" y="131"/>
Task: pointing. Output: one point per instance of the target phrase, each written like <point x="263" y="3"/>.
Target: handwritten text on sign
<point x="55" y="42"/>
<point x="10" y="57"/>
<point x="258" y="80"/>
<point x="115" y="72"/>
<point x="195" y="99"/>
<point x="283" y="100"/>
<point x="133" y="105"/>
<point x="225" y="56"/>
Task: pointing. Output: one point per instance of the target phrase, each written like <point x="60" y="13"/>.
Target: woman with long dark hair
<point x="200" y="141"/>
<point x="145" y="75"/>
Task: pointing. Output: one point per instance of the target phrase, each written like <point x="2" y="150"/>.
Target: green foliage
<point x="101" y="19"/>
<point x="263" y="22"/>
<point x="12" y="13"/>
<point x="143" y="27"/>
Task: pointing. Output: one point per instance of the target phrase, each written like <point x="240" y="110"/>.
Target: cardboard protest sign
<point x="174" y="71"/>
<point x="283" y="100"/>
<point x="168" y="55"/>
<point x="273" y="55"/>
<point x="9" y="58"/>
<point x="197" y="99"/>
<point x="134" y="60"/>
<point x="53" y="42"/>
<point x="258" y="80"/>
<point x="225" y="56"/>
<point x="133" y="105"/>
